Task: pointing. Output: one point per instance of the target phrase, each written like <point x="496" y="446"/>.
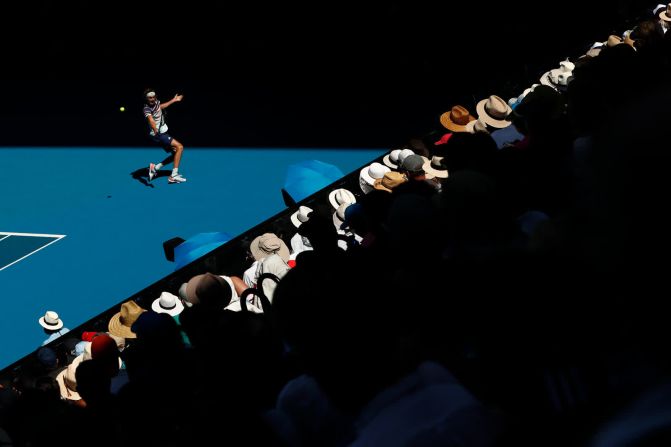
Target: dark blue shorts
<point x="163" y="140"/>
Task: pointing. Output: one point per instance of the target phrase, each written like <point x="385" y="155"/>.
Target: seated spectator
<point x="262" y="247"/>
<point x="53" y="326"/>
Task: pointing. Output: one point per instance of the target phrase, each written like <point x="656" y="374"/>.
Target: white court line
<point x="33" y="234"/>
<point x="57" y="236"/>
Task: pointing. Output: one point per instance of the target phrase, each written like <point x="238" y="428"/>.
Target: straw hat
<point x="390" y="181"/>
<point x="121" y="322"/>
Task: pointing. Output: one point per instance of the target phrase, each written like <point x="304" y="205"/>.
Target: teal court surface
<point x="81" y="229"/>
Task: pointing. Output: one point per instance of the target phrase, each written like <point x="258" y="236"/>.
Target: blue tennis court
<point x="81" y="229"/>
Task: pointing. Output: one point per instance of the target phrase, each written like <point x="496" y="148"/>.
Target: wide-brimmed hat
<point x="390" y="181"/>
<point x="339" y="215"/>
<point x="493" y="111"/>
<point x="67" y="382"/>
<point x="391" y="159"/>
<point x="51" y="321"/>
<point x="207" y="288"/>
<point x="300" y="216"/>
<point x="121" y="322"/>
<point x="477" y="126"/>
<point x="167" y="303"/>
<point x="339" y="196"/>
<point x="666" y="14"/>
<point x="559" y="78"/>
<point x="456" y="119"/>
<point x="373" y="172"/>
<point x="267" y="244"/>
<point x="435" y="167"/>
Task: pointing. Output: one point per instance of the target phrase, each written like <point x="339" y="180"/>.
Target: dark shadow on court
<point x="142" y="175"/>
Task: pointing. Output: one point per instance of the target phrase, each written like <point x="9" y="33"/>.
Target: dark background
<point x="338" y="74"/>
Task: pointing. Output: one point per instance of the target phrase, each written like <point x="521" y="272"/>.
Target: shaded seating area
<point x="496" y="281"/>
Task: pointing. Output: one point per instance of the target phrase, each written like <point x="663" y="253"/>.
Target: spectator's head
<point x="268" y="244"/>
<point x="208" y="290"/>
<point x="51" y="322"/>
<point x="413" y="167"/>
<point x="456" y="119"/>
<point x="47" y="358"/>
<point x="121" y="322"/>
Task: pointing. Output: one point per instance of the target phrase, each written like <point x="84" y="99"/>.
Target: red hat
<point x="90" y="335"/>
<point x="104" y="348"/>
<point x="444" y="139"/>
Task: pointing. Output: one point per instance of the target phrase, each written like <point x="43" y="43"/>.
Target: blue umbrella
<point x="309" y="176"/>
<point x="197" y="246"/>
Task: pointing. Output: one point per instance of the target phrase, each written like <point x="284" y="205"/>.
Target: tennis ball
<point x="122" y="109"/>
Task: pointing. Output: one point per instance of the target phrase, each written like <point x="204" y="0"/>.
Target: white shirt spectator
<point x="55" y="335"/>
<point x="235" y="305"/>
<point x="300" y="244"/>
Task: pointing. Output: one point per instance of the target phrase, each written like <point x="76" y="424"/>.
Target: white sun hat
<point x="369" y="174"/>
<point x="51" y="321"/>
<point x="339" y="196"/>
<point x="301" y="216"/>
<point x="391" y="159"/>
<point x="167" y="303"/>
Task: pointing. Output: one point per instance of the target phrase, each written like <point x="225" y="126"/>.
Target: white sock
<point x="158" y="166"/>
<point x="174" y="172"/>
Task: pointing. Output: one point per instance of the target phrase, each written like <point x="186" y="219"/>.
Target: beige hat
<point x="456" y="119"/>
<point x="390" y="181"/>
<point x="493" y="111"/>
<point x="613" y="40"/>
<point x="121" y="322"/>
<point x="666" y="14"/>
<point x="267" y="244"/>
<point x="435" y="167"/>
<point x="477" y="126"/>
<point x="67" y="382"/>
